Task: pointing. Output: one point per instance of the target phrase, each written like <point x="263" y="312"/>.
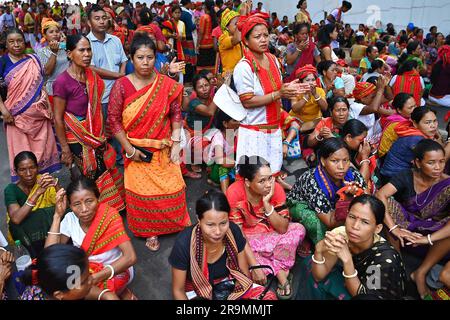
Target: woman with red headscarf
<point x="259" y="84"/>
<point x="440" y="92"/>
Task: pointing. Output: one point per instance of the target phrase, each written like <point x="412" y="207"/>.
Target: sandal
<point x="192" y="175"/>
<point x="153" y="243"/>
<point x="287" y="284"/>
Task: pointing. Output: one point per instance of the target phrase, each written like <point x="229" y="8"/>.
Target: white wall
<point x="424" y="13"/>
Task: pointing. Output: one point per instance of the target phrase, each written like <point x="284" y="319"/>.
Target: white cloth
<point x="70" y="227"/>
<point x="375" y="131"/>
<point x="266" y="145"/>
<point x="246" y="81"/>
<point x="3" y="242"/>
<point x="445" y="101"/>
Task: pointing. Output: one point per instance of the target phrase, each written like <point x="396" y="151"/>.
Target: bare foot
<point x="420" y="280"/>
<point x="127" y="294"/>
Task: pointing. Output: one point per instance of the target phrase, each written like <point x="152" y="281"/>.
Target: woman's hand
<point x="364" y="150"/>
<point x="303" y="45"/>
<point x="66" y="157"/>
<point x="258" y="276"/>
<point x="61" y="203"/>
<point x="6" y="257"/>
<point x="7" y="117"/>
<point x="45" y="181"/>
<point x="326" y="133"/>
<point x="175" y="153"/>
<point x="403" y="234"/>
<point x="289" y="90"/>
<point x="137" y="156"/>
<point x="176" y="67"/>
<point x="54" y="46"/>
<point x="352" y="187"/>
<point x="5" y="271"/>
<point x="268" y="197"/>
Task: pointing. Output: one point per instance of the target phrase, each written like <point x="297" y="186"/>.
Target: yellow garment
<point x="358" y="52"/>
<point x="311" y="110"/>
<point x="227" y="16"/>
<point x="229" y="54"/>
<point x="301" y="18"/>
<point x="29" y="22"/>
<point x="387" y="140"/>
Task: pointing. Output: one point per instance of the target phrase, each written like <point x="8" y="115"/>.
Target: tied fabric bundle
<point x="305" y="71"/>
<point x="149" y="29"/>
<point x="363" y="89"/>
<point x="247" y="23"/>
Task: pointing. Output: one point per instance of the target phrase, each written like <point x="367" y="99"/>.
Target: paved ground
<point x="153" y="276"/>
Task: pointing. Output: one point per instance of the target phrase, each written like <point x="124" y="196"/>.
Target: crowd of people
<point x="135" y="99"/>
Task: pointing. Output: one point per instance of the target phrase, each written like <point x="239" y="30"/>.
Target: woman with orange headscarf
<point x="259" y="84"/>
<point x="52" y="55"/>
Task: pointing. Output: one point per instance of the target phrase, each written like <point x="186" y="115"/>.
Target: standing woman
<point x="259" y="85"/>
<point x="79" y="123"/>
<point x="301" y="52"/>
<point x="205" y="43"/>
<point x="26" y="111"/>
<point x="303" y="15"/>
<point x="145" y="117"/>
<point x="52" y="56"/>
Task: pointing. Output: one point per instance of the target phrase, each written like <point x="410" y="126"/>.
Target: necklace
<point x="84" y="88"/>
<point x="426" y="199"/>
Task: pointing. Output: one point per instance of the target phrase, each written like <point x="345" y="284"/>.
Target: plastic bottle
<point x="23" y="258"/>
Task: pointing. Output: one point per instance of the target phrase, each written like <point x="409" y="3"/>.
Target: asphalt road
<point x="152" y="271"/>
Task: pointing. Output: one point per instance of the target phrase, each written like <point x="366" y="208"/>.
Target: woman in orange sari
<point x="145" y="117"/>
<point x="79" y="123"/>
<point x="205" y="43"/>
<point x="97" y="228"/>
<point x="26" y="110"/>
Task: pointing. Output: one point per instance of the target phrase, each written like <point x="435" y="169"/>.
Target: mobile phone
<point x="148" y="154"/>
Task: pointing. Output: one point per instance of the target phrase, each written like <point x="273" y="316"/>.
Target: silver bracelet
<point x="270" y="213"/>
<point x="30" y="204"/>
<point x="429" y="239"/>
<point x="132" y="155"/>
<point x="102" y="293"/>
<point x="393" y="228"/>
<point x="110" y="267"/>
<point x="317" y="261"/>
<point x="350" y="276"/>
<point x="54" y="233"/>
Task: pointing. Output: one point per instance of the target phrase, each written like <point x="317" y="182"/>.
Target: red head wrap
<point x="444" y="54"/>
<point x="363" y="89"/>
<point x="247" y="23"/>
<point x="303" y="72"/>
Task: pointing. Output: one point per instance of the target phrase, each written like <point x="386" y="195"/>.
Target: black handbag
<point x="223" y="289"/>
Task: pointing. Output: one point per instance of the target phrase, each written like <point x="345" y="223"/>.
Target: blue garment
<point x="186" y="17"/>
<point x="108" y="55"/>
<point x="333" y="187"/>
<point x="401" y="155"/>
<point x="161" y="59"/>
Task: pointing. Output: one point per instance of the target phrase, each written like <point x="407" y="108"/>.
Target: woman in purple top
<point x="419" y="211"/>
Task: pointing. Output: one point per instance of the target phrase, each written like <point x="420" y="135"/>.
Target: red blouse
<point x="122" y="89"/>
<point x="252" y="218"/>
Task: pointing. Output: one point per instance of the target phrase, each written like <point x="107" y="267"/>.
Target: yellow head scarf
<point x="48" y="23"/>
<point x="227" y="16"/>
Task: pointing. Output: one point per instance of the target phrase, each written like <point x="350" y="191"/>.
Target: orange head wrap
<point x="303" y="72"/>
<point x="363" y="89"/>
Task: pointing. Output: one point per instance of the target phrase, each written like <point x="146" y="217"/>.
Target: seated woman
<point x="403" y="104"/>
<point x="339" y="109"/>
<point x="313" y="199"/>
<point x="30" y="203"/>
<point x="355" y="260"/>
<point x="98" y="229"/>
<point x="206" y="256"/>
<point x="258" y="206"/>
<point x="408" y="80"/>
<point x="367" y="106"/>
<point x="199" y="119"/>
<point x="354" y="134"/>
<point x="49" y="279"/>
<point x="424" y="126"/>
<point x="220" y="159"/>
<point x="310" y="105"/>
<point x="328" y="79"/>
<point x="420" y="206"/>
